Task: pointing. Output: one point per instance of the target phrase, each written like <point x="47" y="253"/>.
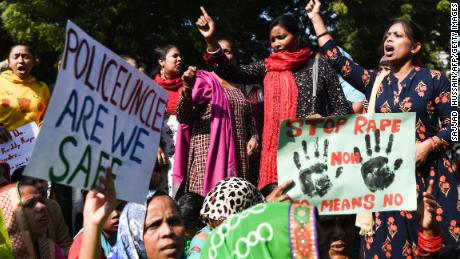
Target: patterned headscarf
<point x="229" y="197"/>
<point x="130" y="236"/>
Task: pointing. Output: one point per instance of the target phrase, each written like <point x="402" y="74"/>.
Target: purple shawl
<point x="221" y="160"/>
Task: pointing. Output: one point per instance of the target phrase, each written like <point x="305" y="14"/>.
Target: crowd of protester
<point x="214" y="191"/>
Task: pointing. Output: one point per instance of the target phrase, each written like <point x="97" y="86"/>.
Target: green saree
<point x="269" y="230"/>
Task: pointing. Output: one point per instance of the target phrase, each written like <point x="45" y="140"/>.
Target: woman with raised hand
<point x="146" y="231"/>
<point x="291" y="87"/>
<point x="168" y="77"/>
<point x="217" y="133"/>
<point x="23" y="97"/>
<point x="406" y="88"/>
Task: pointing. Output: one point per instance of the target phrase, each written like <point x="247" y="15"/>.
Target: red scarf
<point x="174" y="88"/>
<point x="280" y="103"/>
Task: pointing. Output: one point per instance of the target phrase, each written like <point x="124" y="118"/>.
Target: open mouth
<point x="389" y="50"/>
<point x="21" y="69"/>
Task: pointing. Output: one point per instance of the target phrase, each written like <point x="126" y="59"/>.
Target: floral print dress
<point x="426" y="92"/>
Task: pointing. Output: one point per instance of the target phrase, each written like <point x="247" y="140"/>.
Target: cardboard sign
<point x="18" y="151"/>
<point x="103" y="112"/>
<point x="351" y="164"/>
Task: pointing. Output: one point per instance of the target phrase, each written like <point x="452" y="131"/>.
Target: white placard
<point x="103" y="112"/>
<point x="18" y="150"/>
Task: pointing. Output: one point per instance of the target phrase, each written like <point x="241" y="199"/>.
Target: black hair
<point x="229" y="42"/>
<point x="31" y="51"/>
<point x="288" y="22"/>
<point x="160" y="53"/>
<point x="190" y="205"/>
<point x="413" y="31"/>
<point x="34" y="58"/>
<point x="24" y="180"/>
<point x="22" y="183"/>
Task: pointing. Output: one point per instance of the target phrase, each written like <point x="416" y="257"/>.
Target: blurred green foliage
<point x="136" y="27"/>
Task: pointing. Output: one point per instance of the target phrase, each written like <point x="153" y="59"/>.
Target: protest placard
<point x="18" y="150"/>
<point x="103" y="112"/>
<point x="350" y="164"/>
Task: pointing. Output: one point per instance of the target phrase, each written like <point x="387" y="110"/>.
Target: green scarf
<point x="269" y="230"/>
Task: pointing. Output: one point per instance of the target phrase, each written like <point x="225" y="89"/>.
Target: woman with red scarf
<point x="169" y="77"/>
<point x="288" y="80"/>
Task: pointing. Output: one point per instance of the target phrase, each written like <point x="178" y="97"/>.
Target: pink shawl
<point x="221" y="160"/>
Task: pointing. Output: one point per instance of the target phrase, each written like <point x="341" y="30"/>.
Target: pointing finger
<point x="203" y="11"/>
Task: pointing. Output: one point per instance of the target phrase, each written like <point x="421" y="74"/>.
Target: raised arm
<point x="207" y="28"/>
<point x="185" y="105"/>
<point x="351" y="72"/>
<point x="240" y="74"/>
<point x="98" y="206"/>
<point x="313" y="9"/>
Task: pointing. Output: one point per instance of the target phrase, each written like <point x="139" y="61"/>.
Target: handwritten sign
<point x="103" y="112"/>
<point x="351" y="164"/>
<point x="17" y="152"/>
